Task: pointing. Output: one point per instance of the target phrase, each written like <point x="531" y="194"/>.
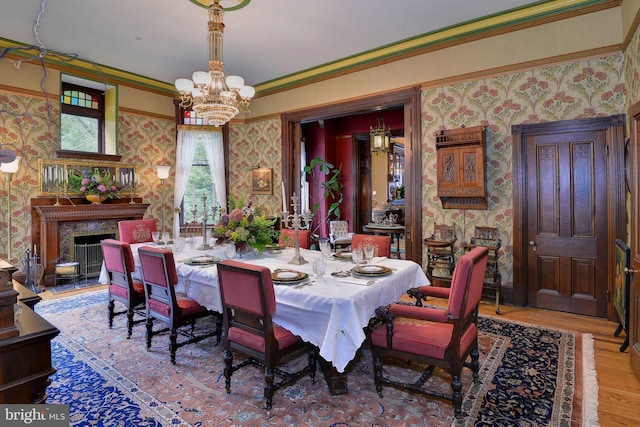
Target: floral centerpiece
<point x="245" y="228"/>
<point x="96" y="183"/>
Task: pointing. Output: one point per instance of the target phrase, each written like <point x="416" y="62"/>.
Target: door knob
<point x="630" y="270"/>
<point x="533" y="245"/>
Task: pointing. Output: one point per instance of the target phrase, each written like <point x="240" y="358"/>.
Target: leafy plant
<point x="96" y="182"/>
<point x="332" y="185"/>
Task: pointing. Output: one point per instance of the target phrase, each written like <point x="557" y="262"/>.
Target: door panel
<point x="567" y="227"/>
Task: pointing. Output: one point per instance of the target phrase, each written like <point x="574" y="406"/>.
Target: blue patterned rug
<point x="530" y="376"/>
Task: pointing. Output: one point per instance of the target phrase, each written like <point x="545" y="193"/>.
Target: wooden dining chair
<point x="433" y="337"/>
<point x="382" y="244"/>
<point x="119" y="263"/>
<point x="163" y="303"/>
<point x="288" y="238"/>
<point x="248" y="301"/>
<point x="137" y="230"/>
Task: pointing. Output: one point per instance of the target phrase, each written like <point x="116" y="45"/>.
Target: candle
<point x="284" y="200"/>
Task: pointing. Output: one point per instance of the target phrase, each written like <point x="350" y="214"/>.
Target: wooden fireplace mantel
<point x="47" y="218"/>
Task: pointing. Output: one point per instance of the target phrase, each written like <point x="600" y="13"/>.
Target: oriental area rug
<point x="529" y="376"/>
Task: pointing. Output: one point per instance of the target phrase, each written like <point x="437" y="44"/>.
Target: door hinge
<point x="607" y="296"/>
<point x="606" y="150"/>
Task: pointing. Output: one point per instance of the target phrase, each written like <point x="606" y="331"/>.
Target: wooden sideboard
<point x="25" y="358"/>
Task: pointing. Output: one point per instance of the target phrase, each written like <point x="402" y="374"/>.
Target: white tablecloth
<point x="329" y="313"/>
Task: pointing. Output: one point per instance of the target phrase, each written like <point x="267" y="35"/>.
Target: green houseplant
<point x="331" y="186"/>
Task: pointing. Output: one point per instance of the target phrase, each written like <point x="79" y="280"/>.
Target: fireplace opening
<point x="88" y="253"/>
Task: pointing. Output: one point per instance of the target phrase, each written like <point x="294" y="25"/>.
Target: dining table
<point x="329" y="311"/>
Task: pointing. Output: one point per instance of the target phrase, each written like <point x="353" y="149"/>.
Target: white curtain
<point x="214" y="148"/>
<point x="185" y="153"/>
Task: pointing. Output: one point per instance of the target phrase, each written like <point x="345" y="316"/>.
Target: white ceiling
<point x="265" y="40"/>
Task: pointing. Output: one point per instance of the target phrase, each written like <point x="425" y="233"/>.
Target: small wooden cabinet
<point x="461" y="168"/>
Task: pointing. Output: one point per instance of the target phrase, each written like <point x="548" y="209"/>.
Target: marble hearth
<point x="53" y="228"/>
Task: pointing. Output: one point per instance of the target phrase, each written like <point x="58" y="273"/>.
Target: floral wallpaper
<point x="29" y="127"/>
<point x="256" y="144"/>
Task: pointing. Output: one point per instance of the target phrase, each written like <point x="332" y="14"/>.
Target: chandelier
<point x="209" y="94"/>
<point x="379" y="136"/>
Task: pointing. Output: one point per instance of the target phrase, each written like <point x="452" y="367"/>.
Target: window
<point x="200" y="171"/>
<point x="198" y="184"/>
<point x="81" y="119"/>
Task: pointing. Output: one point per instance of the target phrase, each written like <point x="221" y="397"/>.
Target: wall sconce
<point x="9" y="169"/>
<point x="163" y="174"/>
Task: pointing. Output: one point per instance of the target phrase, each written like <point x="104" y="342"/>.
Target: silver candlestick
<point x="205" y="244"/>
<point x="297" y="220"/>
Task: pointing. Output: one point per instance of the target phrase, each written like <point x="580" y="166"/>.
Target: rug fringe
<point x="589" y="383"/>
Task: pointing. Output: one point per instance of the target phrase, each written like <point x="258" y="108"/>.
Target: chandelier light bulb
<point x="210" y="95"/>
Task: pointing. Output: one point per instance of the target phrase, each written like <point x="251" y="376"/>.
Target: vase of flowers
<point x="246" y="229"/>
<point x="96" y="186"/>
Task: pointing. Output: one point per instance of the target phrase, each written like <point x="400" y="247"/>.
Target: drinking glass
<point x="178" y="244"/>
<point x="166" y="237"/>
<point x="155" y="235"/>
<point x="319" y="266"/>
<point x="230" y="250"/>
<point x="368" y="252"/>
<point x="357" y="256"/>
<point x="325" y="247"/>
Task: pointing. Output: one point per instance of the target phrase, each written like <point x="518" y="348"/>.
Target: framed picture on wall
<point x="261" y="181"/>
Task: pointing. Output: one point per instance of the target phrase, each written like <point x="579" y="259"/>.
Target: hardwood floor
<point x="619" y="388"/>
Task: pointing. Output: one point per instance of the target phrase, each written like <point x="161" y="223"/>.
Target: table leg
<point x="336" y="381"/>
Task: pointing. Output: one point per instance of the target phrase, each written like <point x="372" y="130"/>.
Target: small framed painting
<point x="262" y="181"/>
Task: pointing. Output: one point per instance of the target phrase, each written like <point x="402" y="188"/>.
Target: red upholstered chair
<point x="381" y="243"/>
<point x="159" y="276"/>
<point x="288" y="238"/>
<point x="118" y="260"/>
<point x="137" y="230"/>
<point x="248" y="302"/>
<point x="434" y="337"/>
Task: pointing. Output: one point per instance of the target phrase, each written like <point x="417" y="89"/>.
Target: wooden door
<point x="633" y="165"/>
<point x="566" y="207"/>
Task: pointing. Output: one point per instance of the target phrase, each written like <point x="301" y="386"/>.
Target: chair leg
<point x="268" y="387"/>
<point x="149" y="334"/>
<point x="173" y="344"/>
<point x="130" y="313"/>
<point x="112" y="314"/>
<point x="228" y="370"/>
<point x="456" y="387"/>
<point x="313" y="361"/>
<point x="475" y="364"/>
<point x="377" y="373"/>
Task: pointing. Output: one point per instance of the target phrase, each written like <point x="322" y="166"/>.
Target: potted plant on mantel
<point x="331" y="187"/>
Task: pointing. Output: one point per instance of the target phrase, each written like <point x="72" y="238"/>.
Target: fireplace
<point x="86" y="250"/>
<point x="54" y="228"/>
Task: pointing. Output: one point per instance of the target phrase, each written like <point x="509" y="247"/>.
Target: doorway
<point x="568" y="211"/>
<point x="409" y="101"/>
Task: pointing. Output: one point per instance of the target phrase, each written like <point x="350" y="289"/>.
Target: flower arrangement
<point x="96" y="182"/>
<point x="245" y="228"/>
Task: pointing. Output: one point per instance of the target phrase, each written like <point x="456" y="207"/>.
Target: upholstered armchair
<point x="137" y="230"/>
<point x="433" y="337"/>
<point x="119" y="263"/>
<point x="163" y="303"/>
<point x="248" y="301"/>
<point x="288" y="238"/>
<point x="339" y="235"/>
<point x="382" y="244"/>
